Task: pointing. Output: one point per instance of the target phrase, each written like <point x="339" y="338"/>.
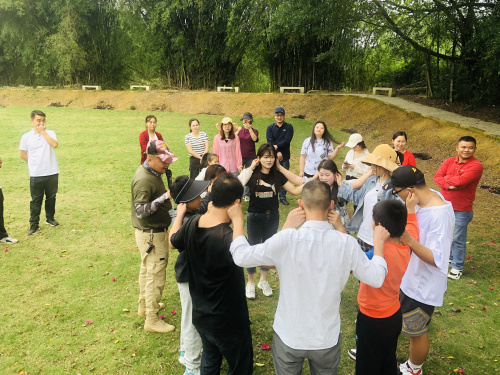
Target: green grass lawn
<point x="54" y="283"/>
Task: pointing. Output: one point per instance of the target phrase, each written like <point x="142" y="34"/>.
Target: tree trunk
<point x="452" y="70"/>
<point x="428" y="74"/>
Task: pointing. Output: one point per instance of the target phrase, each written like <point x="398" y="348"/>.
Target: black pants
<point x="236" y="348"/>
<point x="40" y="186"/>
<point x="194" y="167"/>
<point x="376" y="342"/>
<point x="3" y="231"/>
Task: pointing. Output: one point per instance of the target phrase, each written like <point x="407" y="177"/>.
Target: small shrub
<point x="132" y="107"/>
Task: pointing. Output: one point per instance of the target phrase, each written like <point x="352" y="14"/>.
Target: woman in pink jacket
<point x="227" y="146"/>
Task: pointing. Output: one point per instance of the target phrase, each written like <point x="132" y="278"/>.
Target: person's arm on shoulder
<point x="420" y="250"/>
<point x="371" y="272"/>
<point x="290" y="176"/>
<point x="292" y="189"/>
<point x="181" y="211"/>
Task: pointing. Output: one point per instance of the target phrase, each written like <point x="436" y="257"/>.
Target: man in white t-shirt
<point x="425" y="281"/>
<point x="37" y="149"/>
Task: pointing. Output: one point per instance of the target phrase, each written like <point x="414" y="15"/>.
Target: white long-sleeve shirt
<point x="313" y="263"/>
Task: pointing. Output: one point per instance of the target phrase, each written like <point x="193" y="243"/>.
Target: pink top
<point x="229" y="153"/>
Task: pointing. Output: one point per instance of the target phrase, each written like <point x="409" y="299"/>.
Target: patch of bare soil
<point x="490" y="114"/>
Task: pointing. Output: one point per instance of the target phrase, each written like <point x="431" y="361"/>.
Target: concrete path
<point x="468" y="122"/>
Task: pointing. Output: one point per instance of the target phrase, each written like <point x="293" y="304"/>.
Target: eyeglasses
<point x="396" y="192"/>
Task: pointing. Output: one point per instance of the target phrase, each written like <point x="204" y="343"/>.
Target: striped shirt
<point x="197" y="143"/>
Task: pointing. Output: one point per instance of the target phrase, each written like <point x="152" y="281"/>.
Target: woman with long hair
<point x="316" y="148"/>
<point x="399" y="140"/>
<point x="148" y="135"/>
<point x="197" y="145"/>
<point x="263" y="209"/>
<point x="328" y="172"/>
<point x="227" y="146"/>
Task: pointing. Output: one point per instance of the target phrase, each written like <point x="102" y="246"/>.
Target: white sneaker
<point x="192" y="371"/>
<point x="454" y="274"/>
<point x="405" y="369"/>
<point x="8" y="240"/>
<point x="266" y="289"/>
<point x="246" y="198"/>
<point x="250" y="291"/>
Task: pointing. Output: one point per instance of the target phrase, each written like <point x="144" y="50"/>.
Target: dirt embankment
<point x="377" y="121"/>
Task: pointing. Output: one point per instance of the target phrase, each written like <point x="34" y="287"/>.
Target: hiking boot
<point x="142" y="308"/>
<point x="155" y="324"/>
<point x="250" y="291"/>
<point x="284" y="201"/>
<point x="352" y="353"/>
<point x="52" y="222"/>
<point x="8" y="240"/>
<point x="33" y="229"/>
<point x="454" y="274"/>
<point x="406" y="369"/>
<point x="266" y="289"/>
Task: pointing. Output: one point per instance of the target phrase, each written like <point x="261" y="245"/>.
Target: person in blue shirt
<point x="280" y="135"/>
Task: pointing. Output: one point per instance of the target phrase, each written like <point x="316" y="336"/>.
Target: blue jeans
<point x="246" y="164"/>
<point x="458" y="246"/>
<point x="260" y="227"/>
<point x="236" y="348"/>
<point x="284" y="164"/>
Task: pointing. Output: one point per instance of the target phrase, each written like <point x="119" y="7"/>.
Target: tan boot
<point x="141" y="311"/>
<point x="155" y="324"/>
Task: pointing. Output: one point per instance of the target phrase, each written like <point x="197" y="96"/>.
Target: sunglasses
<point x="396" y="192"/>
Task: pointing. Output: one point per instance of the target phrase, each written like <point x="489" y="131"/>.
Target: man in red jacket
<point x="458" y="177"/>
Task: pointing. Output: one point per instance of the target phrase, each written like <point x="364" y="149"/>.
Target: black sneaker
<point x="51" y="222"/>
<point x="284" y="201"/>
<point x="33" y="229"/>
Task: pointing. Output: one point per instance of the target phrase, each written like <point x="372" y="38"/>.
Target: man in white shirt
<point x="313" y="263"/>
<point x="424" y="283"/>
<point x="37" y="149"/>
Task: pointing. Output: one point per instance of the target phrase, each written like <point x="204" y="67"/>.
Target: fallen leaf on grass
<point x="116" y="341"/>
<point x="451" y="303"/>
<point x="88" y="322"/>
<point x="5" y="250"/>
<point x="456" y="310"/>
<point x="491" y="288"/>
<point x="451" y="357"/>
<point x="265" y="346"/>
<point x="114" y="278"/>
<point x="173" y="312"/>
<point x="259" y="364"/>
<point x="493" y="243"/>
<point x="484" y="308"/>
<point x="451" y="331"/>
<point x="162" y="316"/>
<point x="469" y="258"/>
<point x="126" y="310"/>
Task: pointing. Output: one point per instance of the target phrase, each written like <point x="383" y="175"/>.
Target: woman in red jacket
<point x="148" y="135"/>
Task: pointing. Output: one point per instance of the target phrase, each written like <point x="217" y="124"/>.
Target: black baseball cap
<point x="406" y="176"/>
<point x="279" y="110"/>
<point x="192" y="189"/>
